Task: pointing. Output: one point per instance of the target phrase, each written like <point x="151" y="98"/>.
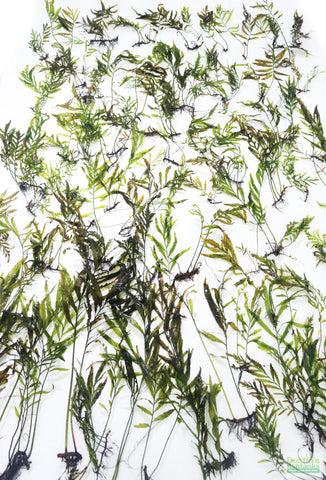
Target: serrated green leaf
<point x="142" y="425"/>
<point x="164" y="415"/>
<point x="145" y="410"/>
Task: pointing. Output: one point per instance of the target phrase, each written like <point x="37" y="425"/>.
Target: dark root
<point x="18" y="461"/>
<point x="242" y="426"/>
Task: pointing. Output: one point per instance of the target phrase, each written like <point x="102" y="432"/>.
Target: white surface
<point x="17" y="17"/>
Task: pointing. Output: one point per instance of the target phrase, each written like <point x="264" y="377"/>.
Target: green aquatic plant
<point x="158" y="266"/>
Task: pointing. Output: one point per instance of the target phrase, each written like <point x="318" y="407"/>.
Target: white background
<point x="17" y="18"/>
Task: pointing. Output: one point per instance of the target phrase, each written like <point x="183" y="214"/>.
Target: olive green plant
<point x="158" y="268"/>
